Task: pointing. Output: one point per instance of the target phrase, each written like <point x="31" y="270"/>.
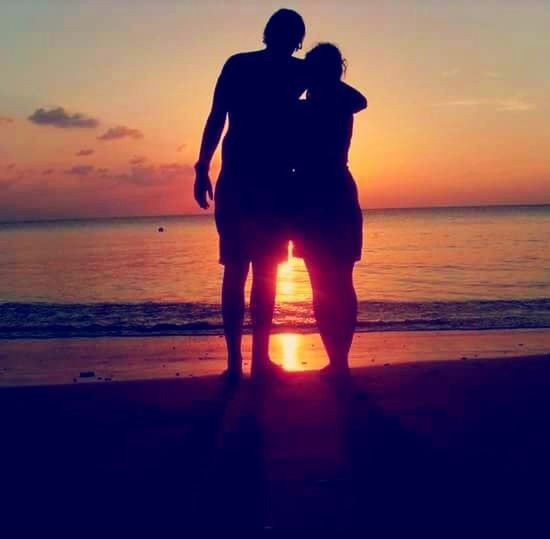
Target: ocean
<point x="422" y="269"/>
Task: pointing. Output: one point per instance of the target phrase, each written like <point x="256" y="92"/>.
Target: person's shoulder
<point x="298" y="62"/>
<point x="242" y="58"/>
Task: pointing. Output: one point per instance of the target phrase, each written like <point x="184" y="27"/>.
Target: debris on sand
<point x="87" y="374"/>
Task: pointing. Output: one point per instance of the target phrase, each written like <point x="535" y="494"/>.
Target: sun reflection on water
<point x="285" y="349"/>
<point x="285" y="276"/>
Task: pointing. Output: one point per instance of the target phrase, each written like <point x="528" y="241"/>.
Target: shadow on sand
<point x="174" y="457"/>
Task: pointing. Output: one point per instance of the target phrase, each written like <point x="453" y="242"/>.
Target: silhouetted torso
<point x="329" y="220"/>
<point x="322" y="142"/>
<point x="260" y="90"/>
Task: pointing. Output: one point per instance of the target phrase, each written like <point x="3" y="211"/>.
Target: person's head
<point x="325" y="65"/>
<point x="285" y="31"/>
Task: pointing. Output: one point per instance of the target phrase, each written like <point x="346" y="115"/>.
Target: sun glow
<point x="286" y="287"/>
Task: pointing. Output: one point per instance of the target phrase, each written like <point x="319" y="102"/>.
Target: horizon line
<point x="211" y="213"/>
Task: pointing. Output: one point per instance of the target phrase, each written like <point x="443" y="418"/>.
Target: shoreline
<point x="31" y="362"/>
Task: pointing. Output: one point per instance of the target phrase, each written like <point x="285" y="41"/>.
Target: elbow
<point x="360" y="105"/>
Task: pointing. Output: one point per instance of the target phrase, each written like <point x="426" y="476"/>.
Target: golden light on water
<point x="287" y="343"/>
<point x="289" y="351"/>
<point x="285" y="277"/>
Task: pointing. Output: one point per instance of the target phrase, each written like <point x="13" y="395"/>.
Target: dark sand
<point x="442" y="449"/>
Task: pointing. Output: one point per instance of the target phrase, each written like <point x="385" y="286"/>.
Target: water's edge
<point x="46" y="320"/>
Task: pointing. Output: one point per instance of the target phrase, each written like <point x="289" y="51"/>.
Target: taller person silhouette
<point x="257" y="91"/>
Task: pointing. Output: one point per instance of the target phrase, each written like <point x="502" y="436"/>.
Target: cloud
<point x="461" y="103"/>
<point x="6" y="183"/>
<point x="181" y="147"/>
<point x="11" y="166"/>
<point x="495" y="75"/>
<point x="5" y="120"/>
<point x="513" y="104"/>
<point x="58" y="117"/>
<point x="137" y="160"/>
<point x="119" y="132"/>
<point x="175" y="168"/>
<point x="138" y="175"/>
<point x="145" y="175"/>
<point x="47" y="172"/>
<point x="451" y="73"/>
<point x="80" y="170"/>
<point x="85" y="152"/>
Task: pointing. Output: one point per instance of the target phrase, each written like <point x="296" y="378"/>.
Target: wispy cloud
<point x="120" y="132"/>
<point x="11" y="166"/>
<point x="515" y="104"/>
<point x="512" y="104"/>
<point x="80" y="170"/>
<point x="6" y="120"/>
<point x="137" y="160"/>
<point x="462" y="103"/>
<point x="144" y="175"/>
<point x="59" y="117"/>
<point x="451" y="73"/>
<point x="47" y="172"/>
<point x="175" y="168"/>
<point x="85" y="152"/>
<point x="181" y="147"/>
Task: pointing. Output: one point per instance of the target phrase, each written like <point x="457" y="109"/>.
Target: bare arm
<point x="211" y="135"/>
<point x="352" y="98"/>
<point x="210" y="139"/>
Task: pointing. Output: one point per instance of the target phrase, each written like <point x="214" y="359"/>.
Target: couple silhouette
<point x="284" y="177"/>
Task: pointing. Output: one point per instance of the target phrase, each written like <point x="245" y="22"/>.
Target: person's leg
<point x="335" y="308"/>
<point x="262" y="303"/>
<point x="234" y="279"/>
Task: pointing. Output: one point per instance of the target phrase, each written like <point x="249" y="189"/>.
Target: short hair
<point x="285" y="28"/>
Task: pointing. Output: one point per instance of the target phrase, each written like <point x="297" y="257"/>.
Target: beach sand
<point x="431" y="447"/>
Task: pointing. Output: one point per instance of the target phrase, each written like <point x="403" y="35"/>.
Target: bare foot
<point x="267" y="371"/>
<point x="333" y="373"/>
<point x="232" y="376"/>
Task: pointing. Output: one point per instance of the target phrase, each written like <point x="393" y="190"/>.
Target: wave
<point x="49" y="320"/>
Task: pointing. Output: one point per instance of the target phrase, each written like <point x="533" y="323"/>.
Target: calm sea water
<point x="460" y="268"/>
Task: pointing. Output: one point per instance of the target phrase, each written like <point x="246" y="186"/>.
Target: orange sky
<point x="458" y="100"/>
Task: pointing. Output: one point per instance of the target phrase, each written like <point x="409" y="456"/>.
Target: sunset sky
<point x="102" y="103"/>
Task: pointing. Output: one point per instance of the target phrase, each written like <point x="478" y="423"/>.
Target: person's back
<point x="260" y="89"/>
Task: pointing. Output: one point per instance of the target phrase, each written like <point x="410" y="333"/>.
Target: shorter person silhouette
<point x="328" y="222"/>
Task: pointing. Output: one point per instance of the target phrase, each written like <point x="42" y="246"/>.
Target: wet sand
<point x="437" y="448"/>
<point x="60" y="361"/>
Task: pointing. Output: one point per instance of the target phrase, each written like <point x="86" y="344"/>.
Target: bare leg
<point x="234" y="279"/>
<point x="335" y="307"/>
<point x="262" y="303"/>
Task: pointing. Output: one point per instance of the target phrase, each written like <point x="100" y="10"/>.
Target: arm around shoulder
<point x="353" y="98"/>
